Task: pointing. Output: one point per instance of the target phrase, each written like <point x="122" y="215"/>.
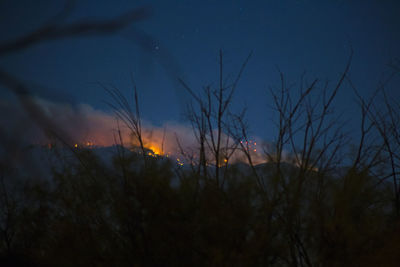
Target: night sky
<point x="294" y="36"/>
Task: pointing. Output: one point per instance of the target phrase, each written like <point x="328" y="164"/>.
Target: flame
<point x="155" y="150"/>
<point x="85" y="144"/>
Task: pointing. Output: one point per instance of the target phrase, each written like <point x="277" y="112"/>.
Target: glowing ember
<point x="154" y="147"/>
<point x="155" y="150"/>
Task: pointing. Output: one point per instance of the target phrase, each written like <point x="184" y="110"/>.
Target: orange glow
<point x="155" y="150"/>
<point x="88" y="143"/>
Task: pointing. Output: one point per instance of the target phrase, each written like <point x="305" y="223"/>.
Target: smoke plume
<point x="82" y="125"/>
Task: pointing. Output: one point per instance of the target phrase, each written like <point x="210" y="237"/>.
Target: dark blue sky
<point x="295" y="35"/>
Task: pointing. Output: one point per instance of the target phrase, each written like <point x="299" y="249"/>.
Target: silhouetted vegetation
<point x="313" y="203"/>
<point x="319" y="199"/>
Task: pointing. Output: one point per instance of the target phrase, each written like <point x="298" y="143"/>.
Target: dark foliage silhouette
<point x="318" y="198"/>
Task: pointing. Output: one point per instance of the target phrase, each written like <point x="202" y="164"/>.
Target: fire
<point x="156" y="150"/>
<point x="85" y="144"/>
